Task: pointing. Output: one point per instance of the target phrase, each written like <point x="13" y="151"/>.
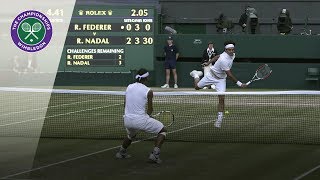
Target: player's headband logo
<point x="31" y="31"/>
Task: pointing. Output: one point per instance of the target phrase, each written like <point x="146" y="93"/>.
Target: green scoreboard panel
<point x="105" y="38"/>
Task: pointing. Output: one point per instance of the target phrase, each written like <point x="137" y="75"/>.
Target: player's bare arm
<point x="214" y="59"/>
<point x="177" y="56"/>
<point x="234" y="79"/>
<point x="150" y="105"/>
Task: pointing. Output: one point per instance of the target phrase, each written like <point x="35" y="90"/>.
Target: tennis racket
<point x="166" y="117"/>
<point x="262" y="72"/>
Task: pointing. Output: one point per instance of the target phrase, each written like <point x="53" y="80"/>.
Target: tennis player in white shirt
<point x="217" y="76"/>
<point x="137" y="118"/>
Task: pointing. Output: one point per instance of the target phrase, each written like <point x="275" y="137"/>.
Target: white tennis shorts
<point x="206" y="69"/>
<point x="210" y="79"/>
<point x="134" y="124"/>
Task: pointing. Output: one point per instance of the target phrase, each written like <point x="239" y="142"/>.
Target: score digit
<point x="147" y="27"/>
<point x="137" y="40"/>
<point x="137" y="27"/>
<point x="128" y="40"/>
<point x="128" y="27"/>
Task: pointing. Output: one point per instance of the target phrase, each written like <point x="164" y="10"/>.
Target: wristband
<point x="239" y="83"/>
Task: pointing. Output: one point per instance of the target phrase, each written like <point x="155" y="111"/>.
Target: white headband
<point x="229" y="46"/>
<point x="142" y="76"/>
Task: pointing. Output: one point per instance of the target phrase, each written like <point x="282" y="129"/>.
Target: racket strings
<point x="166" y="118"/>
<point x="264" y="72"/>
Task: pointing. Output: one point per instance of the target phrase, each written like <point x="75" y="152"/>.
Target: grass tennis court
<point x="183" y="160"/>
<point x="262" y="137"/>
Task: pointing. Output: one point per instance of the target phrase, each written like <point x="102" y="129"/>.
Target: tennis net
<point x="253" y="117"/>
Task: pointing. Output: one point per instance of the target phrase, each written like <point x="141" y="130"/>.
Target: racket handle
<point x="248" y="83"/>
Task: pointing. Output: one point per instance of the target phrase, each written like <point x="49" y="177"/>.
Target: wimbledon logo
<point x="31" y="31"/>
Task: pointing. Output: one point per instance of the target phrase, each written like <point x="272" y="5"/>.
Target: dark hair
<point x="229" y="42"/>
<point x="141" y="72"/>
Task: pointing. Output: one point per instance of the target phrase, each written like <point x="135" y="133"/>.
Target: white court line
<point x="97" y="152"/>
<point x="287" y="104"/>
<point x="16" y="179"/>
<point x="20" y="122"/>
<point x="307" y="173"/>
<point x="17" y="112"/>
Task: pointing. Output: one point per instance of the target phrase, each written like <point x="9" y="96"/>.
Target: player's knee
<point x="163" y="132"/>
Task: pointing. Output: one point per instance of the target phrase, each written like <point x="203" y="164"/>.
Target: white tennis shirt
<point x="224" y="63"/>
<point x="136" y="99"/>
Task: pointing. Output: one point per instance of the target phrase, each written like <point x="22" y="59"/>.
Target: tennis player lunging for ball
<point x="136" y="118"/>
<point x="217" y="76"/>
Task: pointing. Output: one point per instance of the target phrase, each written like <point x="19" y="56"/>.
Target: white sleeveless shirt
<point x="136" y="100"/>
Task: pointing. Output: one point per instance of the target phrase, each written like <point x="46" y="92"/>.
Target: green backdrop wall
<point x="248" y="46"/>
<point x="284" y="76"/>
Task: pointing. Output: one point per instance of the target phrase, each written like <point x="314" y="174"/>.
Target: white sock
<point x="122" y="149"/>
<point x="156" y="151"/>
<point x="220" y="115"/>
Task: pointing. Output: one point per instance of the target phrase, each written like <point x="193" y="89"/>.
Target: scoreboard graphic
<point x="104" y="38"/>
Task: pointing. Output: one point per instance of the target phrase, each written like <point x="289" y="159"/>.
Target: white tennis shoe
<point x="176" y="86"/>
<point x="154" y="158"/>
<point x="218" y="123"/>
<point x="192" y="73"/>
<point x="165" y="86"/>
<point x="121" y="155"/>
<point x="196" y="74"/>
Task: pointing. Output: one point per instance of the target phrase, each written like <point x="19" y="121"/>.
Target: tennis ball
<point x="226" y="112"/>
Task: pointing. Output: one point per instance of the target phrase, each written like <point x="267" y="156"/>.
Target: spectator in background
<point x="249" y="21"/>
<point x="171" y="54"/>
<point x="224" y="25"/>
<point x="207" y="55"/>
<point x="243" y="20"/>
<point x="284" y="24"/>
<point x="32" y="63"/>
<point x="16" y="65"/>
<point x="19" y="65"/>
